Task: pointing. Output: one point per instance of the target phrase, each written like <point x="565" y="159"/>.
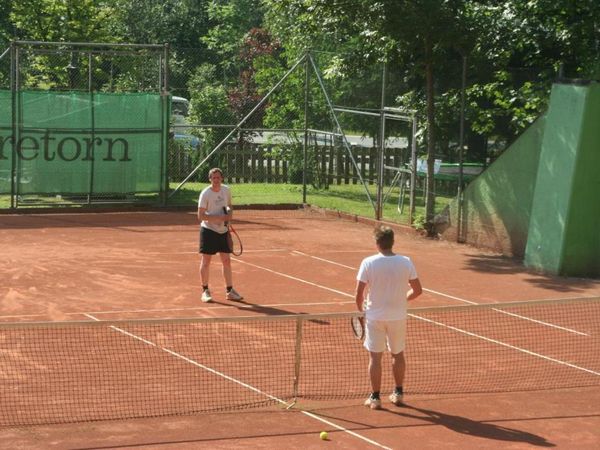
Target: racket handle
<point x="226" y="211"/>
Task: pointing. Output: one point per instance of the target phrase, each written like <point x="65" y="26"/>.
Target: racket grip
<point x="226" y="212"/>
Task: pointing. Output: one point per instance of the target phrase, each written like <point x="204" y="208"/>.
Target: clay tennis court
<point x="144" y="265"/>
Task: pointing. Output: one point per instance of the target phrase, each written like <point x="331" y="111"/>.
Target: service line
<point x="518" y="316"/>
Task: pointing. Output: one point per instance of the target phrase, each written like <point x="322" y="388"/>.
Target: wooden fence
<point x="259" y="163"/>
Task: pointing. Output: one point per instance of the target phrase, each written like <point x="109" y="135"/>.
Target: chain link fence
<point x="318" y="128"/>
<point x="296" y="131"/>
<point x="321" y="132"/>
<point x="83" y="124"/>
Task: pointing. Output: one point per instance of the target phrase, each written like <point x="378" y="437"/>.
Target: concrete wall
<point x="497" y="204"/>
<point x="564" y="230"/>
<point x="541" y="199"/>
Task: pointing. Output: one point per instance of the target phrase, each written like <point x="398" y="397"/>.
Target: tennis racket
<point x="233" y="239"/>
<point x="358" y="327"/>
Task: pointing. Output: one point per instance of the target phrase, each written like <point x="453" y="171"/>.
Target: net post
<point x="297" y="358"/>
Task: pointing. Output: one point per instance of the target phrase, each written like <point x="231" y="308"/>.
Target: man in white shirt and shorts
<point x="214" y="209"/>
<point x="385" y="277"/>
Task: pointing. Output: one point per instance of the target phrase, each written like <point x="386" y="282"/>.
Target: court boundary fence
<point x="326" y="156"/>
<point x="67" y="102"/>
<point x="362" y="167"/>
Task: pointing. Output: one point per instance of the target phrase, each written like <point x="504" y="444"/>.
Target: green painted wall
<point x="541" y="199"/>
<point x="582" y="245"/>
<point x="497" y="204"/>
<point x="564" y="230"/>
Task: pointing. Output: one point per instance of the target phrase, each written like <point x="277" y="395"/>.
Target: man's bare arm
<point x="360" y="294"/>
<point x="415" y="289"/>
<point x="203" y="215"/>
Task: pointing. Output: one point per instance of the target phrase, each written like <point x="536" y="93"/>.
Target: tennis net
<point x="84" y="371"/>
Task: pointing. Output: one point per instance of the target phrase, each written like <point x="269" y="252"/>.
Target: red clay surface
<point x="145" y="265"/>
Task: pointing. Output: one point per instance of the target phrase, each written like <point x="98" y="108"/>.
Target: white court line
<point x="345" y="430"/>
<point x="196" y="308"/>
<point x="191" y="361"/>
<point x="292" y="277"/>
<point x="241" y="383"/>
<point x="547" y="324"/>
<point x="265" y="250"/>
<point x="504" y="344"/>
<point x="203" y="308"/>
<point x="447" y="326"/>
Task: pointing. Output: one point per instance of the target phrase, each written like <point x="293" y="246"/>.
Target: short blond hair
<point x="384" y="237"/>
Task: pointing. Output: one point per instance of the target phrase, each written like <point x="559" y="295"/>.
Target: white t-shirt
<point x="214" y="202"/>
<point x="387" y="284"/>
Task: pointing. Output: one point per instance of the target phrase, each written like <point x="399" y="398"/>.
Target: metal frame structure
<point x="89" y="49"/>
<point x="384" y="113"/>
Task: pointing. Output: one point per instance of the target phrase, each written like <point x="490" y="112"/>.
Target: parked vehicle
<point x="180" y="125"/>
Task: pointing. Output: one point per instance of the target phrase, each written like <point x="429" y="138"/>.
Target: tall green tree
<point x="416" y="34"/>
<point x="62" y="20"/>
<point x="521" y="48"/>
<point x="6" y="27"/>
<point x="229" y="23"/>
<point x="181" y="23"/>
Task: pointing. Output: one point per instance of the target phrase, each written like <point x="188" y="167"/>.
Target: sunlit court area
<point x="106" y="342"/>
<point x="294" y="224"/>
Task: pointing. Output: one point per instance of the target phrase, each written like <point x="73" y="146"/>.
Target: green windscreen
<point x="98" y="144"/>
<point x="5" y="142"/>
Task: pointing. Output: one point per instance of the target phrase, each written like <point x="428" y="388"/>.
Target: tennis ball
<point x="324" y="435"/>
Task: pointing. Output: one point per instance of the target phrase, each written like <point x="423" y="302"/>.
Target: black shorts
<point x="212" y="242"/>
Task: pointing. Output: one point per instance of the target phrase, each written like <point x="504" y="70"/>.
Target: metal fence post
<point x="305" y="144"/>
<point x="379" y="209"/>
<point x="297" y="358"/>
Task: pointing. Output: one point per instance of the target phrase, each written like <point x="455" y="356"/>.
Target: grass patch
<point x="349" y="198"/>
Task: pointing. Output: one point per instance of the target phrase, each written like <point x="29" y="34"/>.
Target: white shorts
<point x="380" y="332"/>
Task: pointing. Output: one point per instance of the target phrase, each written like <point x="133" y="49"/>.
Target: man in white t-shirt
<point x="214" y="209"/>
<point x="386" y="278"/>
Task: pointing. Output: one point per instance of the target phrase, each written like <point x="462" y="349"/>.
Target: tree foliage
<point x="229" y="22"/>
<point x="514" y="50"/>
<point x="62" y="20"/>
<point x="226" y="54"/>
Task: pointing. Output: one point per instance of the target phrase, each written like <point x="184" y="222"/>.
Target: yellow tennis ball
<point x="324" y="435"/>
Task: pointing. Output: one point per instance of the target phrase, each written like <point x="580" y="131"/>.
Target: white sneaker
<point x="206" y="297"/>
<point x="396" y="399"/>
<point x="234" y="295"/>
<point x="373" y="403"/>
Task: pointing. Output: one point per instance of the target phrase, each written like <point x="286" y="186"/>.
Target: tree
<point x="6" y="27"/>
<point x="244" y="95"/>
<point x="229" y="22"/>
<point x="181" y="23"/>
<point x="62" y="20"/>
<point x="415" y="34"/>
<point x="522" y="48"/>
